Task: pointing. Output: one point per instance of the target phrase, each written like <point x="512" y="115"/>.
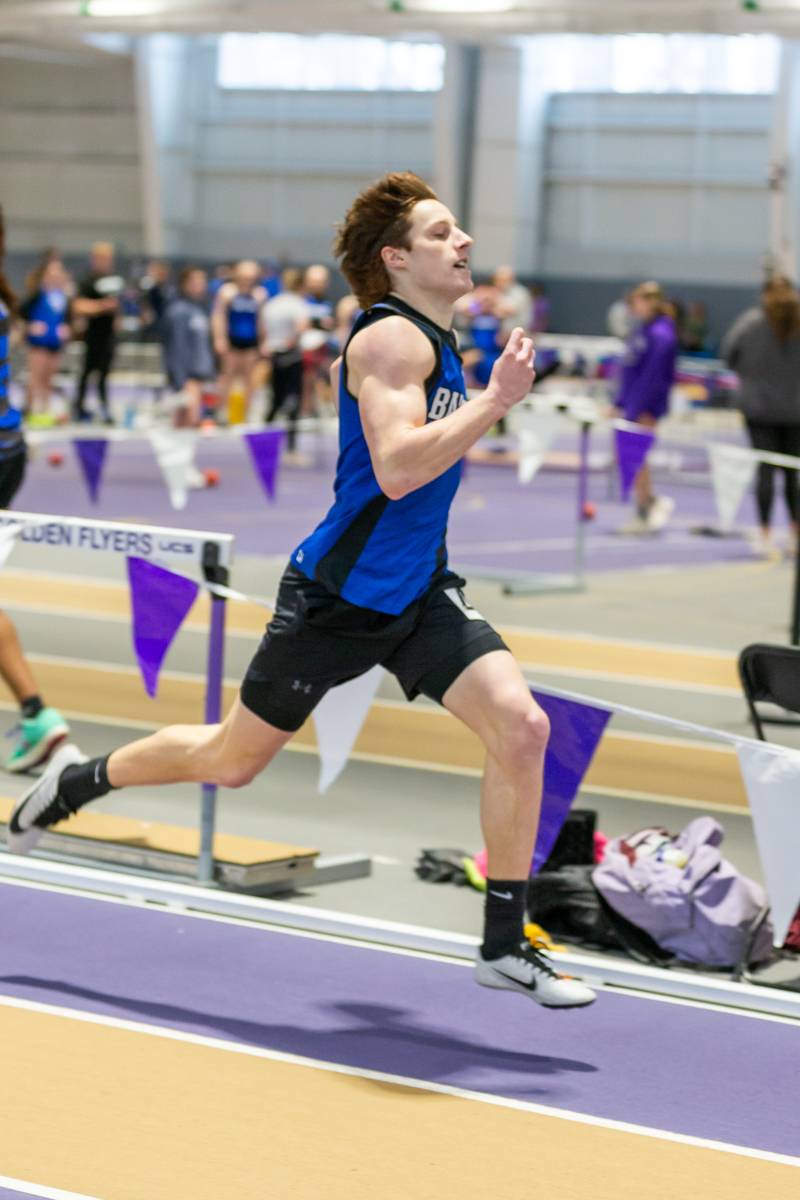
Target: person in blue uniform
<point x="236" y="324"/>
<point x="371" y="584"/>
<point x="45" y="312"/>
<point x="40" y="728"/>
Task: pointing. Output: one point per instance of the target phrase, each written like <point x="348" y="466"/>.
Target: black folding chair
<point x="770" y="674"/>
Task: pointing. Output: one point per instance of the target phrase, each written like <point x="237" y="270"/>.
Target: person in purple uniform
<point x="648" y="370"/>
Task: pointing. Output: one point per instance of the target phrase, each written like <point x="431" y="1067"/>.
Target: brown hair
<point x="186" y="273"/>
<point x="650" y="290"/>
<point x="291" y="279"/>
<point x="781" y="305"/>
<point x="380" y="216"/>
<point x="7" y="294"/>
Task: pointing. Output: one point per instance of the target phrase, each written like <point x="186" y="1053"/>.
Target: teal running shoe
<point x="38" y="738"/>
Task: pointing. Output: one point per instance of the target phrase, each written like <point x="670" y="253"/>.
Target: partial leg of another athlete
<point x="765" y="436"/>
<point x="652" y="511"/>
<point x="41" y="729"/>
<point x="492" y="698"/>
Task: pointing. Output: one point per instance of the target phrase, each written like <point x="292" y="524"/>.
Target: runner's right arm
<point x="388" y="365"/>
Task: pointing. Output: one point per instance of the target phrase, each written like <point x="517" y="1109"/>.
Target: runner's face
<point x="438" y="258"/>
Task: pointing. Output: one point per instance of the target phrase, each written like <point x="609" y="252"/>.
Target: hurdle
<point x="582" y="410"/>
<point x="248" y="865"/>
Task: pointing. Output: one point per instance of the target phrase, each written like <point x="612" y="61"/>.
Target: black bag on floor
<point x="568" y="905"/>
<point x="575" y="842"/>
<point x="442" y="866"/>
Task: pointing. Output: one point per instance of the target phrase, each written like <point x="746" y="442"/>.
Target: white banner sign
<point x="772" y="778"/>
<point x="338" y="719"/>
<point x="732" y="471"/>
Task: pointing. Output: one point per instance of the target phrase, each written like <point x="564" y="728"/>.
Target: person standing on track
<point x="98" y="302"/>
<point x="236" y="324"/>
<point x="648" y="370"/>
<point x="371" y="584"/>
<point x="188" y="358"/>
<point x="763" y="347"/>
<point x="45" y="311"/>
<point x="41" y="729"/>
<point x="285" y="321"/>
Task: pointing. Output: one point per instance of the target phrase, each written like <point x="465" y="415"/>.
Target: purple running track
<point x="5" y="1194"/>
<point x="666" y="1066"/>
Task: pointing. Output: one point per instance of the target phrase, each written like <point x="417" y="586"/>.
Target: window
<point x="328" y="62"/>
<point x="644" y="62"/>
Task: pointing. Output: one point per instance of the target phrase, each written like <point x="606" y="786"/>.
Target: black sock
<point x="83" y="782"/>
<point x="31" y="707"/>
<point x="504" y="916"/>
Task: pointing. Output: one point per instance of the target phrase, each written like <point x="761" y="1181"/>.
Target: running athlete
<point x="371" y="583"/>
<point x="236" y="327"/>
<point x="40" y="729"/>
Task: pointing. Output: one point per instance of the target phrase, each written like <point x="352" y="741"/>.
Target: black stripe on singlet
<point x="5" y="326"/>
<point x="335" y="566"/>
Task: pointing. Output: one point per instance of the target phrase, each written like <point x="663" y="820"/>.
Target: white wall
<point x="69" y="167"/>
<point x="666" y="186"/>
<point x="272" y="172"/>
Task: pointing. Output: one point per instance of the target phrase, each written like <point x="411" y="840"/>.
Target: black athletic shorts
<point x="12" y="473"/>
<point x="317" y="640"/>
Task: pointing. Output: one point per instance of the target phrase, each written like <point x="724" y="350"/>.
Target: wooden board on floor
<point x="169" y="839"/>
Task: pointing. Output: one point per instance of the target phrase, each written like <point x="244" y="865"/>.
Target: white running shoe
<point x="636" y="526"/>
<point x="529" y="971"/>
<point x="41" y="806"/>
<point x="660" y="512"/>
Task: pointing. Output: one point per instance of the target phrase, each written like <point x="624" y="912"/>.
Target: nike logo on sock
<point x="502" y="895"/>
<point x="97" y="773"/>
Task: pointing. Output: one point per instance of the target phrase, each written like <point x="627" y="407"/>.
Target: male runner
<point x="371" y="584"/>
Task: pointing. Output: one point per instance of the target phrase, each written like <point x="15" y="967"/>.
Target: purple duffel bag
<point x="680" y="890"/>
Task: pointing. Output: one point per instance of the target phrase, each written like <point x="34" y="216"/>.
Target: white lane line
<point x="397" y="1080"/>
<point x="37" y="1189"/>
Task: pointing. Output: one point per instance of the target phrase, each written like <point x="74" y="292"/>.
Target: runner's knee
<point x="523" y="738"/>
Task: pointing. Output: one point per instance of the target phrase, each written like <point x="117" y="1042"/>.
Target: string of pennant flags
<point x="161" y="599"/>
<point x="733" y="467"/>
<point x="174" y="451"/>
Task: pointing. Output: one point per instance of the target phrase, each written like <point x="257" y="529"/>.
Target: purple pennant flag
<point x="91" y="455"/>
<point x="632" y="449"/>
<point x="265" y="449"/>
<point x="575" y="732"/>
<point x="160" y="600"/>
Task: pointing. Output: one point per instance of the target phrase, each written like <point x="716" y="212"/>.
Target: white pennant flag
<point x="536" y="436"/>
<point x="8" y="538"/>
<point x="174" y="450"/>
<point x="732" y="472"/>
<point x="771" y="776"/>
<point x="338" y="719"/>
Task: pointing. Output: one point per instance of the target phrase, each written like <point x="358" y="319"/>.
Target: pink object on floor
<point x="600" y="843"/>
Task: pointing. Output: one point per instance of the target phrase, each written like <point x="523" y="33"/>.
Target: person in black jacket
<point x="763" y="347"/>
<point x="98" y="303"/>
